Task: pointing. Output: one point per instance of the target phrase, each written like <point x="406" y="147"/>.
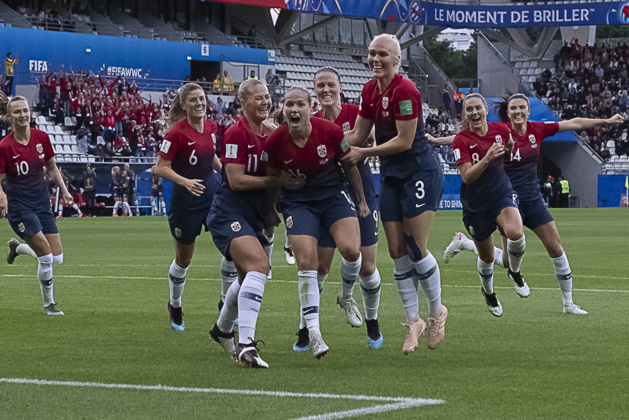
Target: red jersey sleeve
<point x="170" y="146"/>
<point x="364" y="109"/>
<point x="271" y="150"/>
<point x="406" y="103"/>
<point x="341" y="147"/>
<point x="234" y="146"/>
<point x="460" y="149"/>
<point x="49" y="153"/>
<point x="546" y="129"/>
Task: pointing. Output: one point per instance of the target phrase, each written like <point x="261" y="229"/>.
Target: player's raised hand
<point x="616" y="119"/>
<point x="195" y="186"/>
<point x="495" y="151"/>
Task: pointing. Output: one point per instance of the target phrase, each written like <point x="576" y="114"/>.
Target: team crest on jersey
<point x="346" y="127"/>
<point x="289" y="222"/>
<point x="21" y="227"/>
<point x="385" y="102"/>
<point x="42" y="156"/>
<point x="235" y="226"/>
<point x="178" y="232"/>
<point x="40" y="148"/>
<point x="472" y="232"/>
<point x="213" y="138"/>
<point x="323" y="152"/>
<point x="499" y="139"/>
<point x="533" y="141"/>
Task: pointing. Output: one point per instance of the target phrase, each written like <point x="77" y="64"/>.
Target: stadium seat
<point x="67" y="122"/>
<point x="58" y="130"/>
<point x="58" y="148"/>
<point x="67" y="139"/>
<point x="67" y="150"/>
<point x="41" y="121"/>
<point x="100" y="140"/>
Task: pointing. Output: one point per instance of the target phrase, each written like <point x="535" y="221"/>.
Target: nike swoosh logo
<point x="420" y="205"/>
<point x="15" y="157"/>
<point x="250" y="146"/>
<point x="191" y="143"/>
<point x="286" y="162"/>
<point x="473" y="146"/>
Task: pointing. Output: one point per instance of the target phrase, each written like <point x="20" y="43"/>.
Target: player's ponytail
<point x="177" y="112"/>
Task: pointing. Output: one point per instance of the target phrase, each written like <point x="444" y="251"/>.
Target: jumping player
<point x="411" y="184"/>
<point x="486" y="193"/>
<point x="238" y="217"/>
<point x="310" y="149"/>
<point x="327" y="88"/>
<point x="521" y="168"/>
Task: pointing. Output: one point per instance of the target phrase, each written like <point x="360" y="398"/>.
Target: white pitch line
<point x="453" y="286"/>
<point x="398" y="403"/>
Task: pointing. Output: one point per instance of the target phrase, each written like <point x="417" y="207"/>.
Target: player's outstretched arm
<point x="440" y="140"/>
<point x="358" y="136"/>
<point x="585" y="123"/>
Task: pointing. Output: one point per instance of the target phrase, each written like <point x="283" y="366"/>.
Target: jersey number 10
<point x="22" y="167"/>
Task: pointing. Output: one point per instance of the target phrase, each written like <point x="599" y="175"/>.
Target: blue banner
<point x="45" y="51"/>
<point x="477" y="16"/>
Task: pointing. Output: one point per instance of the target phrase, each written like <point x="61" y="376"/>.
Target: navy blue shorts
<point x="408" y="198"/>
<point x="115" y="191"/>
<point x="225" y="227"/>
<point x="310" y="218"/>
<point x="482" y="224"/>
<point x="28" y="223"/>
<point x="157" y="193"/>
<point x="185" y="226"/>
<point x="534" y="213"/>
<point x="368" y="229"/>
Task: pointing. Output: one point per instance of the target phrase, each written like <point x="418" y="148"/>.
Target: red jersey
<point x="23" y="166"/>
<point x="316" y="163"/>
<point x="521" y="163"/>
<point x="493" y="183"/>
<point x="192" y="156"/>
<point x="401" y="101"/>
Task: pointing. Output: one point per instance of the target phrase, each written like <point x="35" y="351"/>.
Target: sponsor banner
<point x="456" y="16"/>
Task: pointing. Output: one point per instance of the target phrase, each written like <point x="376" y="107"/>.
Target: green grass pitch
<point x="534" y="362"/>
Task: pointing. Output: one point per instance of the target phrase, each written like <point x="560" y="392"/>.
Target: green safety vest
<point x="565" y="187"/>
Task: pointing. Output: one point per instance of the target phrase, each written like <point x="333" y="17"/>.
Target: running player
<point x="23" y="156"/>
<point x="186" y="158"/>
<point x="486" y="193"/>
<point x="238" y="217"/>
<point x="327" y="88"/>
<point x="310" y="149"/>
<point x="411" y="182"/>
<point x="521" y="168"/>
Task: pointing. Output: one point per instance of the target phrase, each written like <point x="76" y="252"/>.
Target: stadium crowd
<point x="590" y="81"/>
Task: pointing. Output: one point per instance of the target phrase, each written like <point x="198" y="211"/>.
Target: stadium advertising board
<point x="45" y="51"/>
<point x="477" y="16"/>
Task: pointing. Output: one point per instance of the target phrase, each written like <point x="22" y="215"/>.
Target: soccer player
<point x="327" y="88"/>
<point x="238" y="217"/>
<point x="521" y="168"/>
<point x="157" y="191"/>
<point x="486" y="193"/>
<point x="411" y="184"/>
<point x="310" y="149"/>
<point x="23" y="156"/>
<point x="186" y="157"/>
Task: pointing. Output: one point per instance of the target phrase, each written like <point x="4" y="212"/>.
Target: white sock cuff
<point x="371" y="281"/>
<point x="270" y="238"/>
<point x="484" y="267"/>
<point x="177" y="271"/>
<point x="307" y="273"/>
<point x="57" y="259"/>
<point x="44" y="269"/>
<point x="517" y="246"/>
<point x="227" y="265"/>
<point x="425" y="264"/>
<point x="353" y="265"/>
<point x="255" y="278"/>
<point x="402" y="265"/>
<point x="561" y="264"/>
